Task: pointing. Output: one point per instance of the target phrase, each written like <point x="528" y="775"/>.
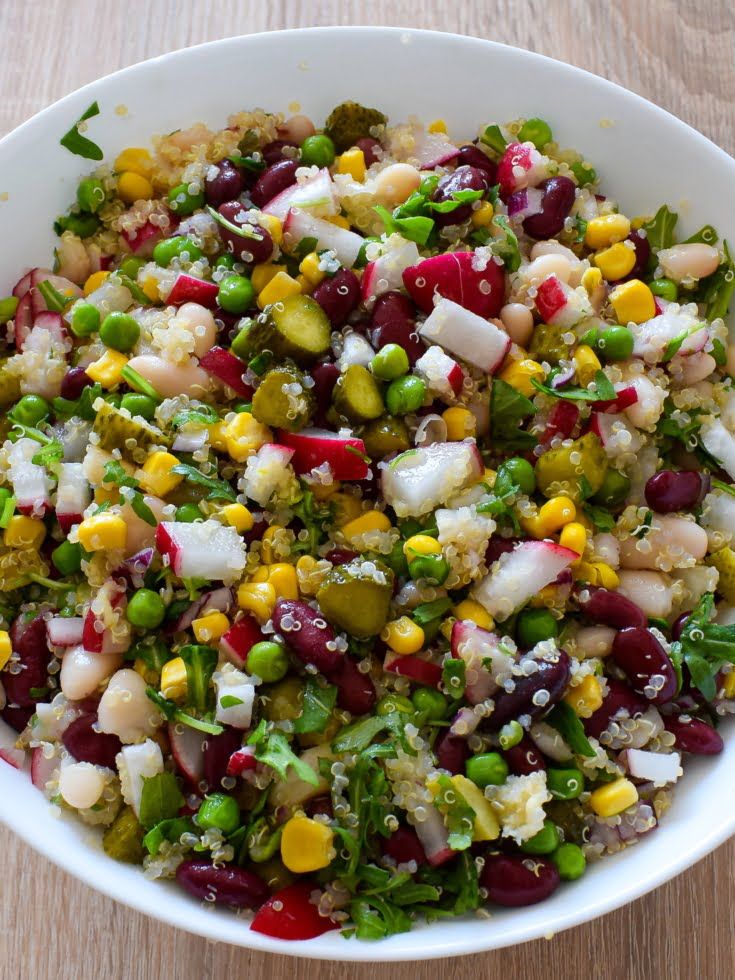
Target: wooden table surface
<point x="52" y="927"/>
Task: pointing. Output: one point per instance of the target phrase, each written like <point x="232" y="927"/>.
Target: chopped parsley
<point x="78" y="144"/>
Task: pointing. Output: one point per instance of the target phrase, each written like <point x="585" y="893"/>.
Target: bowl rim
<point x="383" y="951"/>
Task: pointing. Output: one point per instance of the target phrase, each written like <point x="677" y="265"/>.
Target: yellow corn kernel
<point x="24" y="532"/>
<point x="323" y="491"/>
<point x="591" y="279"/>
<point x="309" y="268"/>
<point x="586" y="697"/>
<point x="640" y="220"/>
<point x="613" y="798"/>
<point x="107" y="370"/>
<point x="483" y="215"/>
<point x="94" y="281"/>
<point x="586" y="364"/>
<point x="148" y="675"/>
<point x="244" y="436"/>
<point x="103" y="532"/>
<point x="259" y="598"/>
<point x="260" y="574"/>
<point x="574" y="536"/>
<point x="446" y="628"/>
<point x="597" y="573"/>
<point x="282" y="577"/>
<point x="306" y="844"/>
<point x="279" y="288"/>
<point x="437" y="126"/>
<point x="272" y="225"/>
<point x="606" y="230"/>
<point x="477" y="614"/>
<point x="421" y="544"/>
<point x="633" y="302"/>
<point x="403" y="635"/>
<point x="615" y="262"/>
<point x="518" y="375"/>
<point x="460" y="422"/>
<point x="547" y="598"/>
<point x="106" y="495"/>
<point x="210" y="627"/>
<point x="339" y="220"/>
<point x="237" y="516"/>
<point x="157" y="476"/>
<point x="217" y="436"/>
<point x="556" y="513"/>
<point x="134" y="159"/>
<point x="728" y="684"/>
<point x="150" y="288"/>
<point x="6" y="648"/>
<point x="346" y="508"/>
<point x="173" y="679"/>
<point x="371" y="520"/>
<point x="263" y="273"/>
<point x="267" y="551"/>
<point x="306" y="287"/>
<point x="489" y="476"/>
<point x="132" y="187"/>
<point x="352" y="162"/>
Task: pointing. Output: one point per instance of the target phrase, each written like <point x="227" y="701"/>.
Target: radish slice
<point x="467" y="335"/>
<point x="14" y="757"/>
<point x="441" y="373"/>
<point x="206" y="549"/>
<point x="386" y="272"/>
<point x="616" y="434"/>
<point x="30" y="482"/>
<point x="720" y="444"/>
<point x="656" y="767"/>
<point x="267" y="473"/>
<point x="242" y="760"/>
<point x="414" y="667"/>
<point x="24" y="283"/>
<point x="144" y="238"/>
<point x="432" y="150"/>
<point x="434" y="837"/>
<point x="217" y="600"/>
<point x="65" y="632"/>
<point x="189" y="289"/>
<point x="238" y="640"/>
<point x="98" y="638"/>
<point x="187" y="748"/>
<point x="560" y="305"/>
<point x="225" y="367"/>
<point x="521" y="165"/>
<point x="43" y="767"/>
<point x="419" y="479"/>
<point x="520" y="574"/>
<point x="73" y="495"/>
<point x="345" y="244"/>
<point x="316" y="195"/>
<point x="190" y="442"/>
<point x="474" y="283"/>
<point x="313" y="447"/>
<point x="483" y="656"/>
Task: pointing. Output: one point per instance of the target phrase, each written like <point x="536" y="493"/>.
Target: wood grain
<point x="677" y="54"/>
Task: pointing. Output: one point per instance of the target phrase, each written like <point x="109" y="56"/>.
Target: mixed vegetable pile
<point x="367" y="516"/>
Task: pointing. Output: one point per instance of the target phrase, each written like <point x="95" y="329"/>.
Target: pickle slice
<point x="349" y="121"/>
<point x="384" y="436"/>
<point x="283" y="401"/>
<point x="123" y="839"/>
<point x="9" y="387"/>
<point x="117" y="429"/>
<point x="356" y="597"/>
<point x="296" y="327"/>
<point x="578" y="470"/>
<point x="357" y="395"/>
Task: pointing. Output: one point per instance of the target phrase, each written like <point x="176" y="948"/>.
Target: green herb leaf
<point x="316" y="709"/>
<point x="115" y="474"/>
<point x="376" y="918"/>
<point x="705" y="647"/>
<point x="725" y="487"/>
<point x="78" y="144"/>
<point x="81" y="408"/>
<point x="160" y="799"/>
<point x="218" y="489"/>
<point x="706" y="234"/>
<point x="167" y="830"/>
<point x="201" y="415"/>
<point x="505" y="246"/>
<point x="244" y="231"/>
<point x="583" y="174"/>
<point x="660" y="229"/>
<point x="426" y="612"/>
<point x="50" y="454"/>
<point x="200" y="662"/>
<point x="674" y="345"/>
<point x="142" y="510"/>
<point x="494" y="138"/>
<point x="602" y="390"/>
<point x="248" y="163"/>
<point x="571" y="729"/>
<point x="273" y="750"/>
<point x="459" y="816"/>
<point x="139" y="383"/>
<point x="720" y="287"/>
<point x="600" y="517"/>
<point x="508" y="409"/>
<point x="356" y="737"/>
<point x="645" y="525"/>
<point x="230" y="701"/>
<point x="457" y="199"/>
<point x="453" y="677"/>
<point x="416" y="229"/>
<point x="54" y="300"/>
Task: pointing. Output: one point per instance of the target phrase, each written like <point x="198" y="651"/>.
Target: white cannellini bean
<point x="397" y="182"/>
<point x="517" y="321"/>
<point x="553" y="248"/>
<point x="170" y="380"/>
<point x="198" y="320"/>
<point x="606" y="547"/>
<point x="548" y="265"/>
<point x="672" y="542"/>
<point x="125" y="709"/>
<point x="593" y="641"/>
<point x="81" y="784"/>
<point x="649" y="590"/>
<point x="689" y="261"/>
<point x="83" y="672"/>
<point x="725" y="615"/>
<point x="694" y="369"/>
<point x="73" y="260"/>
<point x="296" y="129"/>
<point x="645" y="413"/>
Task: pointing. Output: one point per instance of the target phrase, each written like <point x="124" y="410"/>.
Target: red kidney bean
<point x="248" y="250"/>
<point x="29" y="643"/>
<point x="308" y="634"/>
<point x="619" y="697"/>
<point x="223" y="885"/>
<point x="355" y="690"/>
<point x="694" y="736"/>
<point x="464" y="178"/>
<point x="472" y="156"/>
<point x="273" y="181"/>
<point x="515" y="881"/>
<point x="556" y="203"/>
<point x="338" y="296"/>
<point x="403" y="846"/>
<point x="679" y="623"/>
<point x="498" y="546"/>
<point x="641" y="657"/>
<point x="17" y="718"/>
<point x="393" y="321"/>
<point x="669" y="490"/>
<point x="524" y="758"/>
<point x="642" y="254"/>
<point x="325" y="378"/>
<point x="452" y="752"/>
<point x="611" y="609"/>
<point x="74" y="382"/>
<point x="370" y="149"/>
<point x="290" y="914"/>
<point x="273" y="152"/>
<point x="340" y="556"/>
<point x="87" y="745"/>
<point x="552" y="677"/>
<point x="320" y="804"/>
<point x="226" y="185"/>
<point x="217" y="752"/>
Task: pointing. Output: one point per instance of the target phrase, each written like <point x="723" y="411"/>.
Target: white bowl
<point x="645" y="156"/>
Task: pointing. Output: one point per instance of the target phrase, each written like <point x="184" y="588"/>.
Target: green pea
<point x="394" y="702"/>
<point x="565" y="784"/>
<point x="431" y="702"/>
<point x="179" y="247"/>
<point x="30" y="410"/>
<point x="139" y="405"/>
<point x="131" y="266"/>
<point x="544" y="842"/>
<point x="517" y="472"/>
<point x="615" y="344"/>
<point x="665" y="288"/>
<point x="535" y="625"/>
<point x="82" y="224"/>
<point x="90" y="194"/>
<point x="583" y="174"/>
<point x="405" y="395"/>
<point x="433" y="568"/>
<point x="570" y="861"/>
<point x="8" y="306"/>
<point x="119" y="331"/>
<point x="236" y="294"/>
<point x="67" y="558"/>
<point x="590" y="338"/>
<point x="268" y="660"/>
<point x="219" y="811"/>
<point x="240" y="345"/>
<point x="225" y="261"/>
<point x="535" y="131"/>
<point x="487" y="769"/>
<point x="510" y="734"/>
<point x="317" y="151"/>
<point x="188" y="513"/>
<point x="146" y="609"/>
<point x="390" y="362"/>
<point x="85" y="320"/>
<point x="614" y="490"/>
<point x="183" y="202"/>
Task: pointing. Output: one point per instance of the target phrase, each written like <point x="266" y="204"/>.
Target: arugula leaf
<point x="138" y="383"/>
<point x="426" y="612"/>
<point x="49" y="454"/>
<point x="202" y="414"/>
<point x="673" y="346"/>
<point x="706" y="234"/>
<point x="161" y="799"/>
<point x="508" y="409"/>
<point x="705" y="647"/>
<point x="78" y="144"/>
<point x="133" y="288"/>
<point x="668" y="426"/>
<point x="314" y="518"/>
<point x="375" y="918"/>
<point x="81" y="408"/>
<point x="506" y="247"/>
<point x="457" y="199"/>
<point x="142" y="510"/>
<point x="660" y="229"/>
<point x="602" y="390"/>
<point x="200" y="662"/>
<point x="417" y="229"/>
<point x="317" y="708"/>
<point x="459" y="816"/>
<point x="115" y="474"/>
<point x="720" y="287"/>
<point x="274" y="751"/>
<point x="571" y="729"/>
<point x="494" y="138"/>
<point x="600" y="517"/>
<point x="218" y="489"/>
<point x="152" y="651"/>
<point x="248" y="163"/>
<point x="166" y="830"/>
<point x="725" y="487"/>
<point x="356" y="737"/>
<point x="453" y="677"/>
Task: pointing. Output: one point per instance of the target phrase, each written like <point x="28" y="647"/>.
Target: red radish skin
<point x="415" y="668"/>
<point x="65" y="631"/>
<point x="520" y="575"/>
<point x="103" y="641"/>
<point x="291" y="914"/>
<point x="386" y="272"/>
<point x="453" y="275"/>
<point x="243" y="760"/>
<point x="42" y="768"/>
<point x="561" y="422"/>
<point x="403" y="846"/>
<point x="318" y="188"/>
<point x="313" y="447"/>
<point x="517" y="156"/>
<point x="144" y="239"/>
<point x="225" y="367"/>
<point x="189" y="289"/>
<point x="239" y="638"/>
<point x="8" y="752"/>
<point x="187" y="748"/>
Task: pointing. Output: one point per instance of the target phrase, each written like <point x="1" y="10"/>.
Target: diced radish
<point x="8" y="752"/>
<point x="616" y="434"/>
<point x="561" y="421"/>
<point x="414" y="667"/>
<point x="355" y="350"/>
<point x="441" y="373"/>
<point x="344" y="243"/>
<point x="386" y="272"/>
<point x="187" y="748"/>
<point x="73" y="495"/>
<point x="419" y="479"/>
<point x="111" y="296"/>
<point x="223" y="365"/>
<point x="467" y="335"/>
<point x="143" y="239"/>
<point x="235" y="644"/>
<point x="190" y="442"/>
<point x="655" y="767"/>
<point x="432" y="149"/>
<point x="65" y="631"/>
<point x="463" y="277"/>
<point x="47" y="320"/>
<point x="720" y="444"/>
<point x="520" y="574"/>
<point x="668" y="334"/>
<point x="190" y="289"/>
<point x="267" y="472"/>
<point x="24" y="283"/>
<point x="559" y="304"/>
<point x="316" y="195"/>
<point x="216" y="600"/>
<point x="243" y="760"/>
<point x="205" y="549"/>
<point x="523" y="204"/>
<point x="43" y="766"/>
<point x="138" y="762"/>
<point x="625" y="397"/>
<point x="96" y="636"/>
<point x="23" y="321"/>
<point x="521" y="165"/>
<point x="30" y="482"/>
<point x="484" y="659"/>
<point x="313" y="447"/>
<point x="434" y="837"/>
<point x="649" y="403"/>
<point x="240" y="688"/>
